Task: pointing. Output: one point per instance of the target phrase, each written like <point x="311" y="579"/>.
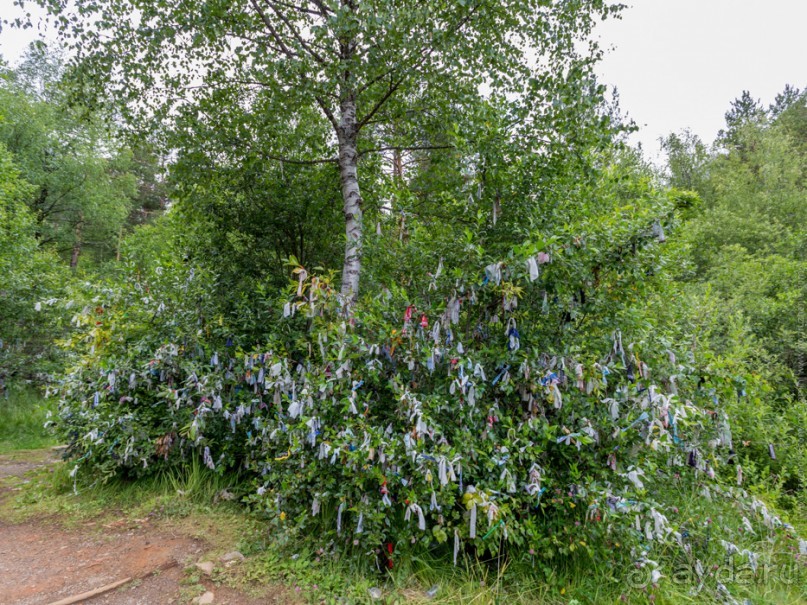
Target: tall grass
<point x="191" y="484"/>
<point x="188" y="491"/>
<point x="23" y="413"/>
<point x="179" y="488"/>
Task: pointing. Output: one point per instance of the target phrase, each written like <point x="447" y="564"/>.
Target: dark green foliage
<point x="344" y="422"/>
<point x="742" y="274"/>
<point x="87" y="187"/>
<point x="747" y="243"/>
<point x="248" y="212"/>
<point x="29" y="281"/>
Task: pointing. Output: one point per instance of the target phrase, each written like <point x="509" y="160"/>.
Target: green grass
<point x="171" y="494"/>
<point x="577" y="581"/>
<point x="22" y="416"/>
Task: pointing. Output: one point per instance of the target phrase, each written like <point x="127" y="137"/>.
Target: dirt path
<point x="42" y="562"/>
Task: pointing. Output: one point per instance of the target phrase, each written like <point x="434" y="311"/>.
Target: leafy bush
<point x="538" y="408"/>
<point x="408" y="424"/>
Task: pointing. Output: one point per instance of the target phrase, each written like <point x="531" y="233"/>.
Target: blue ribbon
<point x="547" y="380"/>
<point x="674" y="427"/>
<point x="641" y="418"/>
<point x="502" y="373"/>
<point x="514" y="334"/>
<point x="538" y="500"/>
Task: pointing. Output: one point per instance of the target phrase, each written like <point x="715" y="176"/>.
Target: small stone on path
<point x="232" y="556"/>
<point x="205" y="599"/>
<point x="206" y="567"/>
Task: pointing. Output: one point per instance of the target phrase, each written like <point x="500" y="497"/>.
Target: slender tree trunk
<point x="76" y="246"/>
<point x="351" y="197"/>
<point x="347" y="132"/>
<point x="397" y="164"/>
<point x="120" y="242"/>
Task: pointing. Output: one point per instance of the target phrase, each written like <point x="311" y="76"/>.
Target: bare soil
<point x="42" y="562"/>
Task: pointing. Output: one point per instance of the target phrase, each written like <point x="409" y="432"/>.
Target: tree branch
<point x="49" y="210"/>
<point x="376" y="80"/>
<point x="323" y="9"/>
<point x="397" y="148"/>
<point x="393" y="86"/>
<point x="328" y="113"/>
<point x="301" y="162"/>
<point x="314" y="54"/>
<point x="425" y="52"/>
<point x="299" y="9"/>
<point x="282" y="45"/>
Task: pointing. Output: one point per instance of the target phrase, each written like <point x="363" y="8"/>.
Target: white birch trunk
<point x="351" y="197"/>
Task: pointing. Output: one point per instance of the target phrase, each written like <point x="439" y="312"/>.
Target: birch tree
<point x="359" y="62"/>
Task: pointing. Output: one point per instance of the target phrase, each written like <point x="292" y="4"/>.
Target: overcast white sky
<point x="679" y="63"/>
<point x="675" y="63"/>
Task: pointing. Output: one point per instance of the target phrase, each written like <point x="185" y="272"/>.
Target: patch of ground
<point x="42" y="562"/>
<point x="17" y="464"/>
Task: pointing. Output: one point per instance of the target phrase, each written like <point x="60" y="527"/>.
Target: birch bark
<point x="351" y="197"/>
<point x="347" y="132"/>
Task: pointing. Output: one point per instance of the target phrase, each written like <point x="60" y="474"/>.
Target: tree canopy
<point x="88" y="186"/>
<point x="748" y="240"/>
<point x="373" y="70"/>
